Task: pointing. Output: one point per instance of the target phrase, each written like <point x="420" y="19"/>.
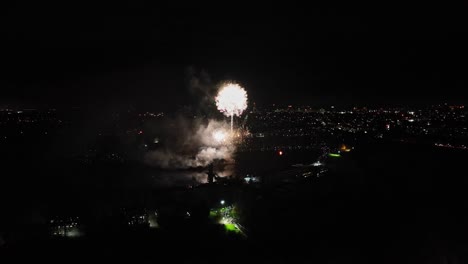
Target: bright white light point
<point x="219" y="136"/>
<point x="222" y="202"/>
<point x="231" y="99"/>
<point x="317" y="164"/>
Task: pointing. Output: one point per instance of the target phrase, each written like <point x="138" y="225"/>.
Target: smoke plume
<point x="191" y="144"/>
<point x="203" y="89"/>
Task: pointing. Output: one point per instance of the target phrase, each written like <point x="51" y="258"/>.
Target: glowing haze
<point x="198" y="143"/>
<point x="231" y="99"/>
<point x="219" y="136"/>
<point x="201" y="142"/>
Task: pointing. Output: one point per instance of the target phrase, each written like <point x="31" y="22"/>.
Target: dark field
<point x="383" y="202"/>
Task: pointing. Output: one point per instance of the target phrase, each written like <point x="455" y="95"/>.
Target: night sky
<point x="289" y="53"/>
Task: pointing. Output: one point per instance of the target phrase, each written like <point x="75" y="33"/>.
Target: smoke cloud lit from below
<point x="198" y="144"/>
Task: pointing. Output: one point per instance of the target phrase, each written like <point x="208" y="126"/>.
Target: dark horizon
<point x="168" y="109"/>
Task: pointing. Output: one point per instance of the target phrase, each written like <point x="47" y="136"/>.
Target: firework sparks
<point x="231" y="100"/>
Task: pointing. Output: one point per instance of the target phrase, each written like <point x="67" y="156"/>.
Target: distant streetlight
<point x="222" y="202"/>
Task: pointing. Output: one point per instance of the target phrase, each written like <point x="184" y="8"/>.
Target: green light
<point x="334" y="155"/>
<point x="213" y="213"/>
<point x="231" y="227"/>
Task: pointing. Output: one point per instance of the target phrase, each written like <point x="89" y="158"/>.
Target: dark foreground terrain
<point x="382" y="203"/>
